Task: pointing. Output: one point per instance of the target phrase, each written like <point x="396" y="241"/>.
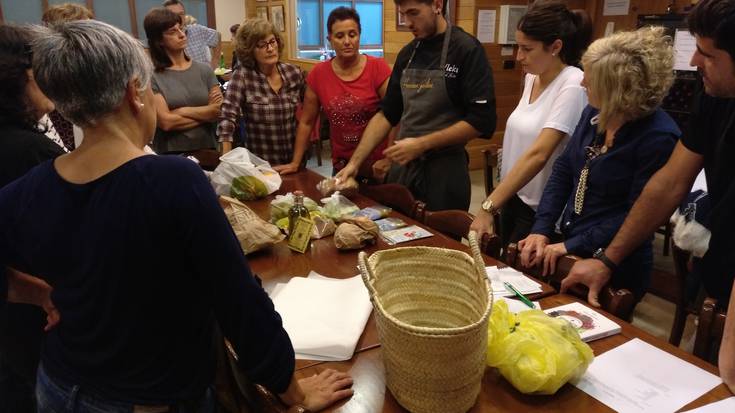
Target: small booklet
<point x="590" y="324"/>
<point x="409" y="233"/>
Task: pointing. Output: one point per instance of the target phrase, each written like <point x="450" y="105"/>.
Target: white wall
<point x="227" y="13"/>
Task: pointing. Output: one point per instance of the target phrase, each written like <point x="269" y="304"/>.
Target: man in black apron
<point x="441" y="93"/>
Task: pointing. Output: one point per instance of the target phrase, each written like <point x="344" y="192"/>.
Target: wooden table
<point x="497" y="394"/>
<point x="279" y="263"/>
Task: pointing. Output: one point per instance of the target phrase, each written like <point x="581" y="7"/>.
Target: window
<point x="311" y="25"/>
<point x="116" y="12"/>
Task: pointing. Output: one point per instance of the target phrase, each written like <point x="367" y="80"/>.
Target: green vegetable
<point x="248" y="188"/>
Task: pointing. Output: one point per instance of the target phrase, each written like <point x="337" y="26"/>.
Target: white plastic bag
<point x="240" y="162"/>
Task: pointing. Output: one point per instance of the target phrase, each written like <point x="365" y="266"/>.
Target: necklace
<point x="591" y="152"/>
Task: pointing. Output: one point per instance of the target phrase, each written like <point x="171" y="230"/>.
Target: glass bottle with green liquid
<point x="297" y="210"/>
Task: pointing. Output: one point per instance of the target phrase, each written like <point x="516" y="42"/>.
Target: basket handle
<point x="367" y="273"/>
<point x="477" y="256"/>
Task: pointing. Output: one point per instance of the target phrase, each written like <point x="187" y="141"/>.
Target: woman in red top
<point x="348" y="88"/>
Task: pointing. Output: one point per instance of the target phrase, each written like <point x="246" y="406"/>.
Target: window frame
<point x="211" y="20"/>
<point x="323" y="35"/>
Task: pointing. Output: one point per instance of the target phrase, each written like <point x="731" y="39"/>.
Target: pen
<point x="522" y="297"/>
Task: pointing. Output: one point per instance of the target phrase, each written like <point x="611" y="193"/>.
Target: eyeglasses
<point x="264" y="45"/>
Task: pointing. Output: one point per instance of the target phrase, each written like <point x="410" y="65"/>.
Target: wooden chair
<point x="709" y="330"/>
<point x="490" y="166"/>
<point x="673" y="289"/>
<point x="397" y="197"/>
<point x="618" y="302"/>
<point x="455" y="224"/>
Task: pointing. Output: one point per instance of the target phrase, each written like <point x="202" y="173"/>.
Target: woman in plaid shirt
<point x="265" y="91"/>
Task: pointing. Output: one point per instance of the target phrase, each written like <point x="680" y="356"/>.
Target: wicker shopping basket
<point x="432" y="307"/>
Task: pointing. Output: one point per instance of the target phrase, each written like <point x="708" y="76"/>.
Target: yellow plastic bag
<point x="536" y="353"/>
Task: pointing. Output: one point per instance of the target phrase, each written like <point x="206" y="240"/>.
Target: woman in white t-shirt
<point x="551" y="40"/>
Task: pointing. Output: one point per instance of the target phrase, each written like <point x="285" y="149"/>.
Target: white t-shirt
<point x="559" y="107"/>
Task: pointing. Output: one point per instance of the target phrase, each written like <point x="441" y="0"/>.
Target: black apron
<point x="439" y="177"/>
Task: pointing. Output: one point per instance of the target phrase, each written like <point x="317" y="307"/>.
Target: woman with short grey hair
<point x="137" y="250"/>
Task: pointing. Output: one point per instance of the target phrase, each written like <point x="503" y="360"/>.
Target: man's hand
<point x="532" y="249"/>
<point x="349" y="171"/>
<point x="552" y="253"/>
<point x="381" y="168"/>
<point x="405" y="150"/>
<point x="590" y="272"/>
<point x="484" y="223"/>
<point x="285" y="169"/>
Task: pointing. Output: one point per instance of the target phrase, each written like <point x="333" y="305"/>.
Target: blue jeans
<point x="53" y="396"/>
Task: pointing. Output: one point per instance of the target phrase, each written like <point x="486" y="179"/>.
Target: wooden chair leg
<point x="677" y="329"/>
<point x="318" y="145"/>
<point x="667" y="238"/>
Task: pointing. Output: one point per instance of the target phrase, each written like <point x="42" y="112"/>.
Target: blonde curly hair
<point x="252" y="31"/>
<point x="629" y="72"/>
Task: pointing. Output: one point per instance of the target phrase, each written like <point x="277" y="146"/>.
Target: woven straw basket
<point x="432" y="307"/>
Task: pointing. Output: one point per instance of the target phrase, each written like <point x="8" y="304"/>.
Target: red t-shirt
<point x="349" y="105"/>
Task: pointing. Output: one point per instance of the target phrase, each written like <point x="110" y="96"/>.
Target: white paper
<point x="638" y="377"/>
<point x="522" y="283"/>
<point x="615" y="7"/>
<point x="684" y="46"/>
<point x="609" y="28"/>
<point x="323" y="317"/>
<point x="506" y="51"/>
<point x="486" y="26"/>
<point x="517" y="306"/>
<point x="722" y="406"/>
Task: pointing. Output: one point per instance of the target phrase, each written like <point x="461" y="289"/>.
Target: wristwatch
<point x="297" y="408"/>
<point x="488" y="206"/>
<point x="600" y="255"/>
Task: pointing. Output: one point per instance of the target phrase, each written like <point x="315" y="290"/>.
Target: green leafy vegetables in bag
<point x="536" y="353"/>
<point x="248" y="188"/>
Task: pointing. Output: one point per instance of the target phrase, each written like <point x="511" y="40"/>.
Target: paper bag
<point x="253" y="232"/>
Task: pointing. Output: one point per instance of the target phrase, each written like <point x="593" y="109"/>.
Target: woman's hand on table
<point x="288" y="168"/>
<point x="323" y="389"/>
<point x="532" y="249"/>
<point x="592" y="273"/>
<point x="484" y="223"/>
<point x="552" y="252"/>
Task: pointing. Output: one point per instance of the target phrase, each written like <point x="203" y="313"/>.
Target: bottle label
<point x="300" y="238"/>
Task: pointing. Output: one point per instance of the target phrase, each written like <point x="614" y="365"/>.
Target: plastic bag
<point x="244" y="176"/>
<point x="374" y="212"/>
<point x="328" y="186"/>
<point x="282" y="203"/>
<point x="536" y="353"/>
<point x="337" y="206"/>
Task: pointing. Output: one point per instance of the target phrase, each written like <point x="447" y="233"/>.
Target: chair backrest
<point x="455" y="224"/>
<point x="490" y="166"/>
<point x="208" y="158"/>
<point x="395" y="196"/>
<point x="710" y="329"/>
<point x="618" y="302"/>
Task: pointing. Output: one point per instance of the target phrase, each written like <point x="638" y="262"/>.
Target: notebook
<point x="409" y="233"/>
<point x="590" y="324"/>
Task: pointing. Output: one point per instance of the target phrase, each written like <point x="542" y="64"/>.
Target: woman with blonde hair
<point x="622" y="139"/>
<point x="265" y="92"/>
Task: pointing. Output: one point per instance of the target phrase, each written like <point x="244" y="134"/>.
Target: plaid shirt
<point x="198" y="41"/>
<point x="270" y="118"/>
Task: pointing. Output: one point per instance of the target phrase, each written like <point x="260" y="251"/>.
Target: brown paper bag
<point x="354" y="233"/>
<point x="253" y="232"/>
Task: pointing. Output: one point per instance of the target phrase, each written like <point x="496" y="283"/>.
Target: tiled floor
<point x="652" y="314"/>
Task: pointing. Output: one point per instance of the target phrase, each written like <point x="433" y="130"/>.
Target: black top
<point x="712" y="135"/>
<point x="21" y="149"/>
<point x="142" y="262"/>
<point x="467" y="73"/>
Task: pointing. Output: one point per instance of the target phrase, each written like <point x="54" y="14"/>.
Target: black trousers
<point x="516" y="220"/>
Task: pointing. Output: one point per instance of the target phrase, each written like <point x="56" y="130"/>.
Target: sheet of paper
<point x="609" y="28"/>
<point x="684" y="46"/>
<point x="615" y="7"/>
<point x="722" y="406"/>
<point x="517" y="306"/>
<point x="323" y="317"/>
<point x="522" y="283"/>
<point x="638" y="377"/>
<point x="486" y="26"/>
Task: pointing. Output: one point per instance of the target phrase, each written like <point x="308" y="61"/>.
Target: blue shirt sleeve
<point x="244" y="311"/>
<point x="651" y="155"/>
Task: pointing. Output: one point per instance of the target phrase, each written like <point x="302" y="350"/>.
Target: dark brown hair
<point x="156" y="22"/>
<point x="547" y="21"/>
<point x="15" y="60"/>
<point x="343" y="13"/>
<point x="715" y="19"/>
<point x="428" y="3"/>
